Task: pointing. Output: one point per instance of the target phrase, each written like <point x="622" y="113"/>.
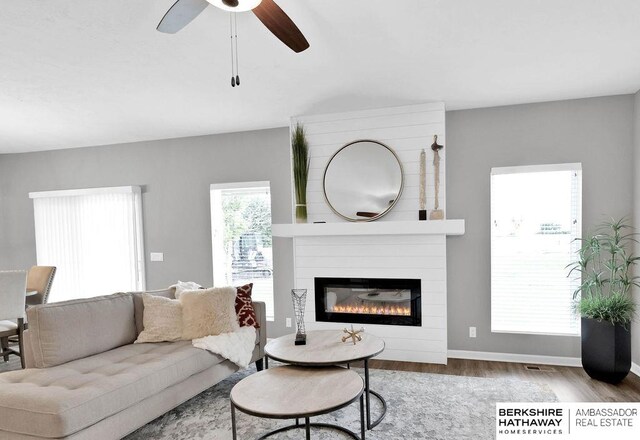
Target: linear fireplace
<point x="387" y="301"/>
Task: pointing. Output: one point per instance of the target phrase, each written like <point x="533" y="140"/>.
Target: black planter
<point x="606" y="350"/>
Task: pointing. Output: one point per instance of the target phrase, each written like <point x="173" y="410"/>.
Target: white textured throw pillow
<point x="162" y="319"/>
<point x="208" y="312"/>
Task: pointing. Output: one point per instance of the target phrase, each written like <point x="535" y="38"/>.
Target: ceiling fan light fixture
<point x="235" y="5"/>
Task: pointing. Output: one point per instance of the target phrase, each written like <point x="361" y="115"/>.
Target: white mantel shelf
<point x="427" y="227"/>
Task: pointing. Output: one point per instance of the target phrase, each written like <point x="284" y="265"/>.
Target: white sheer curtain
<point x="93" y="237"/>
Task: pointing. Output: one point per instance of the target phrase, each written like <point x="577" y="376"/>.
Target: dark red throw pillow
<point x="244" y="307"/>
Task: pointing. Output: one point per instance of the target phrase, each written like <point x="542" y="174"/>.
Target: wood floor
<point x="569" y="383"/>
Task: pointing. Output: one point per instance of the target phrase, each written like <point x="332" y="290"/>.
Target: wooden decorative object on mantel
<point x="422" y="212"/>
<point x="436" y="214"/>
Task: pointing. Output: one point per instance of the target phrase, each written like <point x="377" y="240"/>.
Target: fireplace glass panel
<point x="368" y="300"/>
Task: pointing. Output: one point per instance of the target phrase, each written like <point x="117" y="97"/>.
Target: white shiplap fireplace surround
<point x="395" y="246"/>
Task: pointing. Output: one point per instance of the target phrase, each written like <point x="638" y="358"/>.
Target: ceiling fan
<point x="268" y="12"/>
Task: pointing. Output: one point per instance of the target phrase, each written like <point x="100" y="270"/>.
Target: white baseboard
<point x="519" y="358"/>
<point x="524" y="359"/>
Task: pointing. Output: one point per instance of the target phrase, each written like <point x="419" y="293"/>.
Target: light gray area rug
<point x="420" y="406"/>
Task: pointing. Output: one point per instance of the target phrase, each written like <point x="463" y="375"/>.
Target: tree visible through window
<point x="241" y="238"/>
<point x="535" y="219"/>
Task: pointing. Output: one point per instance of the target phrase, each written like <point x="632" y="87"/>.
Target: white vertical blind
<point x="93" y="237"/>
<point x="536" y="215"/>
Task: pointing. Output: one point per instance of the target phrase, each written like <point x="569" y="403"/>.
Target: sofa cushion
<point x="59" y="401"/>
<point x="138" y="304"/>
<point x="69" y="330"/>
<point x="162" y="319"/>
<point x="244" y="307"/>
<point x="208" y="312"/>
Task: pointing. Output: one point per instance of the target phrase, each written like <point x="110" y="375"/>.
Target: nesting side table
<point x="291" y="392"/>
<point x="325" y="348"/>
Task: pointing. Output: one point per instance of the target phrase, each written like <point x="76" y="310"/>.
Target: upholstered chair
<point x="40" y="279"/>
<point x="13" y="285"/>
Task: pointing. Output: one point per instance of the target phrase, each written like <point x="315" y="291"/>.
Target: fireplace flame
<point x="373" y="310"/>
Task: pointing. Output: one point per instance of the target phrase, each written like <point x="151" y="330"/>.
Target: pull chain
<point x="233" y="32"/>
<point x="233" y="78"/>
<point x="235" y="22"/>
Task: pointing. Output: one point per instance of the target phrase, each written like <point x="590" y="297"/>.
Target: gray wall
<point x="175" y="176"/>
<point x="597" y="132"/>
<point x="635" y="327"/>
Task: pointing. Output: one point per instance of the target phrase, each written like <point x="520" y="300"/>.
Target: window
<point x="241" y="238"/>
<point x="93" y="237"/>
<point x="535" y="218"/>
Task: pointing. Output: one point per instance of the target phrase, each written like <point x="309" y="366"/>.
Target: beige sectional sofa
<point x="85" y="379"/>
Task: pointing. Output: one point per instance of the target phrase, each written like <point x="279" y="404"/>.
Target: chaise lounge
<point x="85" y="379"/>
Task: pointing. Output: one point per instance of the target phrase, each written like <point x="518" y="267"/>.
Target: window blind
<point x="93" y="237"/>
<point x="535" y="218"/>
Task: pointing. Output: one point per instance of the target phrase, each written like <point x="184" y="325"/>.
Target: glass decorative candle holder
<point x="299" y="298"/>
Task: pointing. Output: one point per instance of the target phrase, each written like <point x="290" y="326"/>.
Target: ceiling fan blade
<point x="181" y="14"/>
<point x="281" y="25"/>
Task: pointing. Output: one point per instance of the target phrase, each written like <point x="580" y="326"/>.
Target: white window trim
<point x="232" y="185"/>
<point x="222" y="186"/>
<point x="86" y="191"/>
<point x="513" y="332"/>
<point x="536" y="168"/>
<point x="139" y="252"/>
<point x="577" y="166"/>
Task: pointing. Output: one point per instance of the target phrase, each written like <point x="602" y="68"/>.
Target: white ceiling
<point x="89" y="72"/>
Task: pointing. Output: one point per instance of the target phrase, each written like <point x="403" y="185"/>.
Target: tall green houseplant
<point x="604" y="299"/>
<point x="300" y="159"/>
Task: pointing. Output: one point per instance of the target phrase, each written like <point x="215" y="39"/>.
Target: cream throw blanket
<point x="236" y="347"/>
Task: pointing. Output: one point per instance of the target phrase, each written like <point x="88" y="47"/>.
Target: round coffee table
<point x="291" y="392"/>
<point x="325" y="347"/>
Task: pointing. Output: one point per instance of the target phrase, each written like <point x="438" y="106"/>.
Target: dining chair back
<point x="40" y="279"/>
<point x="13" y="285"/>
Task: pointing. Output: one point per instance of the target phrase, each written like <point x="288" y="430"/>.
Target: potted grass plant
<point x="300" y="159"/>
<point x="604" y="299"/>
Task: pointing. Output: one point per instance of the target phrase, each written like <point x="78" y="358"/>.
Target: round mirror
<point x="363" y="180"/>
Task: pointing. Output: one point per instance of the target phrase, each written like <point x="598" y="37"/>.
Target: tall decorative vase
<point x="300" y="162"/>
<point x="606" y="350"/>
<point x="299" y="298"/>
<point x="301" y="213"/>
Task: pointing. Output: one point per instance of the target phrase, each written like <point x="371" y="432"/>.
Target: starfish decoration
<point x="353" y="335"/>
